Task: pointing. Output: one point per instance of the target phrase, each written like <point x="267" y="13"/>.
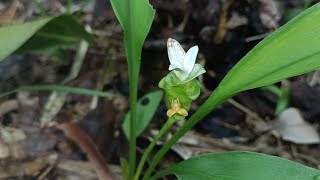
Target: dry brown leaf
<point x="8" y="106"/>
<point x="270" y="13"/>
<point x="292" y="127"/>
<point x="76" y="134"/>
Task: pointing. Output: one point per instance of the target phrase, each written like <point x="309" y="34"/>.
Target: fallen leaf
<point x="76" y="134"/>
<point x="292" y="127"/>
<point x="8" y="106"/>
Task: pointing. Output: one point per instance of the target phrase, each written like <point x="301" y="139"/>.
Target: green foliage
<point x="124" y="168"/>
<point x="147" y="106"/>
<point x="283" y="95"/>
<point x="135" y="17"/>
<point x="239" y="166"/>
<point x="60" y="88"/>
<point x="290" y="51"/>
<point x="46" y="35"/>
<point x="185" y="92"/>
<point x="39" y="7"/>
<point x="283" y="101"/>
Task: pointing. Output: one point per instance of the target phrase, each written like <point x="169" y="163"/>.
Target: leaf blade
<point x="145" y="112"/>
<point x="240" y="165"/>
<point x="59" y="88"/>
<point x="236" y="82"/>
<point x="27" y="37"/>
<point x="290" y="51"/>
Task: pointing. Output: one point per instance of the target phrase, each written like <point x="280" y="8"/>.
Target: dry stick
<point x="184" y="22"/>
<point x="222" y="26"/>
<point x="244" y="109"/>
<point x="257" y="37"/>
<point x="45" y="173"/>
<point x="260" y="125"/>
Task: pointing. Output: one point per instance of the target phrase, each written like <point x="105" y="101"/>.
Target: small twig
<point x="257" y="37"/>
<point x="260" y="125"/>
<point x="245" y="109"/>
<point x="184" y="22"/>
<point x="46" y="172"/>
<point x="222" y="26"/>
<point x="315" y="79"/>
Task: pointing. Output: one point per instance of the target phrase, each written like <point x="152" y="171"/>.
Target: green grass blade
<point x="39" y="7"/>
<point x="60" y="88"/>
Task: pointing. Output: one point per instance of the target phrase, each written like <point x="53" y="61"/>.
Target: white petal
<point x="173" y="66"/>
<point x="190" y="59"/>
<point x="196" y="71"/>
<point x="175" y="52"/>
<point x="182" y="75"/>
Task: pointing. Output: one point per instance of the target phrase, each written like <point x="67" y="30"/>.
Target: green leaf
<point x="147" y="106"/>
<point x="135" y="17"/>
<point x="124" y="168"/>
<point x="284" y="98"/>
<point x="41" y="36"/>
<point x="69" y="89"/>
<point x="240" y="166"/>
<point x="292" y="50"/>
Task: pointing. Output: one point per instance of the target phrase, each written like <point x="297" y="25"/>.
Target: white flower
<point x="182" y="63"/>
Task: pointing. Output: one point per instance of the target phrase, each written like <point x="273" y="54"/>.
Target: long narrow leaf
<point x="59" y="88"/>
<point x="44" y="35"/>
<point x="135" y="17"/>
<point x="240" y="166"/>
<point x="292" y="50"/>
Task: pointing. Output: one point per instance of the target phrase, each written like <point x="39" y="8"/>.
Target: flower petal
<point x="175" y="66"/>
<point x="175" y="52"/>
<point x="170" y="112"/>
<point x="182" y="75"/>
<point x="196" y="71"/>
<point x="190" y="59"/>
<point x="182" y="112"/>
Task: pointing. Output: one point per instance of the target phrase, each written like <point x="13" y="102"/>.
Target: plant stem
<point x="40" y="8"/>
<point x="194" y="119"/>
<point x="160" y="174"/>
<point x="162" y="131"/>
<point x="69" y="4"/>
<point x="134" y="67"/>
<point x="83" y="5"/>
<point x="133" y="120"/>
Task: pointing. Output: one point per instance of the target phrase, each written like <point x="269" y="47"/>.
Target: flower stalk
<point x="147" y="152"/>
